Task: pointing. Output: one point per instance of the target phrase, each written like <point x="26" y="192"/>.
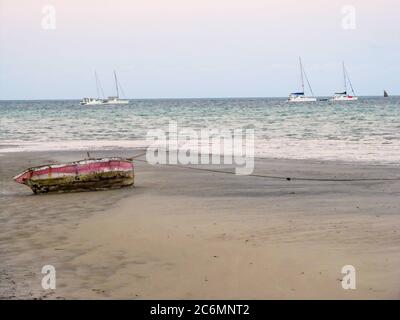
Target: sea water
<point x="367" y="130"/>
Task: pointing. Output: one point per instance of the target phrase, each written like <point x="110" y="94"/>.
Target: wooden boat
<point x="83" y="175"/>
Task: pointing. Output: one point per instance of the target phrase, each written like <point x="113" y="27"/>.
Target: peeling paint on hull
<point x="89" y="182"/>
<point x="85" y="175"/>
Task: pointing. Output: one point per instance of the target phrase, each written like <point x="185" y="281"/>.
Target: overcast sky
<point x="196" y="48"/>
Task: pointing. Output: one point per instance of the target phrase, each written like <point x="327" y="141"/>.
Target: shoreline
<point x="127" y="152"/>
<point x="185" y="234"/>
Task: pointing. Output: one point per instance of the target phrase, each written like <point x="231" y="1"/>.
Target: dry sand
<point x="188" y="234"/>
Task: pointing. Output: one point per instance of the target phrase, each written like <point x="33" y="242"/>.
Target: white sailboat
<point x="94" y="101"/>
<point x="113" y="100"/>
<point x="344" y="96"/>
<point x="300" y="96"/>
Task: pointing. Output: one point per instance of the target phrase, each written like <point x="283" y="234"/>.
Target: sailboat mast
<point x="116" y="83"/>
<point x="97" y="85"/>
<point x="345" y="77"/>
<point x="301" y="75"/>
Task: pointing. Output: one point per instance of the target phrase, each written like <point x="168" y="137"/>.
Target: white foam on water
<point x="78" y="145"/>
<point x="277" y="148"/>
<point x="336" y="150"/>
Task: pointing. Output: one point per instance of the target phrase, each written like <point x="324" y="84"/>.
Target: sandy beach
<point x="195" y="234"/>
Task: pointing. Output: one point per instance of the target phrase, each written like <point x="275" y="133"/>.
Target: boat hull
<point x="302" y="99"/>
<point x="116" y="102"/>
<point x="97" y="103"/>
<point x="85" y="175"/>
<point x="105" y="103"/>
<point x="344" y="99"/>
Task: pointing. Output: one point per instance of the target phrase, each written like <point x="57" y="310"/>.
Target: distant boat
<point x="113" y="100"/>
<point x="94" y="101"/>
<point x="84" y="175"/>
<point x="344" y="96"/>
<point x="300" y="96"/>
<point x="385" y="94"/>
<point x="91" y="102"/>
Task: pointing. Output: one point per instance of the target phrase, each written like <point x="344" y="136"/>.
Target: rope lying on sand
<point x="137" y="156"/>
<point x="274" y="177"/>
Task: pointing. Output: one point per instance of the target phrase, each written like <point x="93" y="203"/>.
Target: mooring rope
<point x="137" y="156"/>
<point x="274" y="177"/>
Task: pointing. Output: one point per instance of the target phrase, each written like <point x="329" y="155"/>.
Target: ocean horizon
<point x="201" y="98"/>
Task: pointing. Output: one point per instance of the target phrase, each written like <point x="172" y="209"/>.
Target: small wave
<point x="276" y="148"/>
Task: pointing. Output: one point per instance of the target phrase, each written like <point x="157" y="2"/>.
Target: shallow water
<point x="367" y="130"/>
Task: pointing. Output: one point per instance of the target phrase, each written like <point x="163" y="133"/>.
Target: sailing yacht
<point x="94" y="101"/>
<point x="344" y="96"/>
<point x="385" y="94"/>
<point x="300" y="96"/>
<point x="113" y="100"/>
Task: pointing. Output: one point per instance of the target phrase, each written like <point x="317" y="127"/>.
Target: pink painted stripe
<point x="86" y="168"/>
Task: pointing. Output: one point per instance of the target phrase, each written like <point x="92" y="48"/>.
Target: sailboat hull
<point x="116" y="102"/>
<point x="105" y="103"/>
<point x="302" y="99"/>
<point x="344" y="98"/>
<point x="91" y="104"/>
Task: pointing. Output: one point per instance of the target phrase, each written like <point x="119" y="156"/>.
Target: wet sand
<point x="182" y="233"/>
